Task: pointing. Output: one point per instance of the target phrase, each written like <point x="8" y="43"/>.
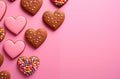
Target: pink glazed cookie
<point x="3" y="8"/>
<point x="15" y="25"/>
<point x="14" y="49"/>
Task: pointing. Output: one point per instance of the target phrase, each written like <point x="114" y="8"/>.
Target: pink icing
<point x="15" y="25"/>
<point x="2" y="8"/>
<point x="14" y="49"/>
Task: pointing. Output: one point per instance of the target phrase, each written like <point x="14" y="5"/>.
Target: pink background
<point x="86" y="46"/>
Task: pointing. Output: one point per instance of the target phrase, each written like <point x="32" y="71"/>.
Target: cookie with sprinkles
<point x="28" y="65"/>
<point x="11" y="0"/>
<point x="4" y="75"/>
<point x="2" y="33"/>
<point x="36" y="37"/>
<point x="54" y="20"/>
<point x="31" y="6"/>
<point x="59" y="3"/>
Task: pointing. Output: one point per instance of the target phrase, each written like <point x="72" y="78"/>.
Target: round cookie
<point x="31" y="6"/>
<point x="4" y="75"/>
<point x="36" y="37"/>
<point x="28" y="65"/>
<point x="54" y="20"/>
<point x="1" y="59"/>
<point x="2" y="34"/>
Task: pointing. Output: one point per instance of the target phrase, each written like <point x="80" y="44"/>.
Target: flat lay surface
<point x="85" y="46"/>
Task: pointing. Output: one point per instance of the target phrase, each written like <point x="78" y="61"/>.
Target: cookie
<point x="11" y="0"/>
<point x="13" y="49"/>
<point x="59" y="3"/>
<point x="31" y="6"/>
<point x="3" y="8"/>
<point x="28" y="65"/>
<point x="15" y="25"/>
<point x="36" y="38"/>
<point x="2" y="34"/>
<point x="1" y="59"/>
<point x="54" y="20"/>
<point x="4" y="75"/>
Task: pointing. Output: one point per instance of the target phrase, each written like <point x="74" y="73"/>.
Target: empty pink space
<point x="86" y="46"/>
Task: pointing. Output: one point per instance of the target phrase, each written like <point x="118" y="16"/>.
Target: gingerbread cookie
<point x="2" y="34"/>
<point x="11" y="0"/>
<point x="1" y="59"/>
<point x="4" y="75"/>
<point x="54" y="20"/>
<point x="15" y="25"/>
<point x="31" y="6"/>
<point x="14" y="49"/>
<point x="3" y="8"/>
<point x="28" y="65"/>
<point x="36" y="38"/>
<point x="59" y="3"/>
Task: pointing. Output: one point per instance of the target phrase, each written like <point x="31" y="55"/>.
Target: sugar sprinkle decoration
<point x="2" y="34"/>
<point x="59" y="3"/>
<point x="28" y="65"/>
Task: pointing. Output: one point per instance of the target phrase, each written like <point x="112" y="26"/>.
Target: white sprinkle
<point x="51" y="18"/>
<point x="53" y="25"/>
<point x="5" y="74"/>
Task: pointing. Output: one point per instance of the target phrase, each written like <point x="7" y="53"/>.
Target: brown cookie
<point x="59" y="3"/>
<point x="36" y="38"/>
<point x="4" y="75"/>
<point x="12" y="0"/>
<point x="1" y="59"/>
<point x="54" y="20"/>
<point x="31" y="6"/>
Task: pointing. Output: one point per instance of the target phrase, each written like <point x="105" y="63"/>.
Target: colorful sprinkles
<point x="28" y="65"/>
<point x="2" y="34"/>
<point x="59" y="3"/>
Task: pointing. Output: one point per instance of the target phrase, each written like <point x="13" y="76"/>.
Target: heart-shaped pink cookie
<point x="15" y="25"/>
<point x="14" y="49"/>
<point x="3" y="8"/>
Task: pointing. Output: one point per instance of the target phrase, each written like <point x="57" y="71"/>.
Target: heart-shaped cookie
<point x="31" y="6"/>
<point x="36" y="38"/>
<point x="3" y="8"/>
<point x="28" y="65"/>
<point x="1" y="59"/>
<point x="2" y="34"/>
<point x="14" y="49"/>
<point x="15" y="25"/>
<point x="12" y="0"/>
<point x="54" y="20"/>
<point x="4" y="75"/>
<point x="59" y="3"/>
